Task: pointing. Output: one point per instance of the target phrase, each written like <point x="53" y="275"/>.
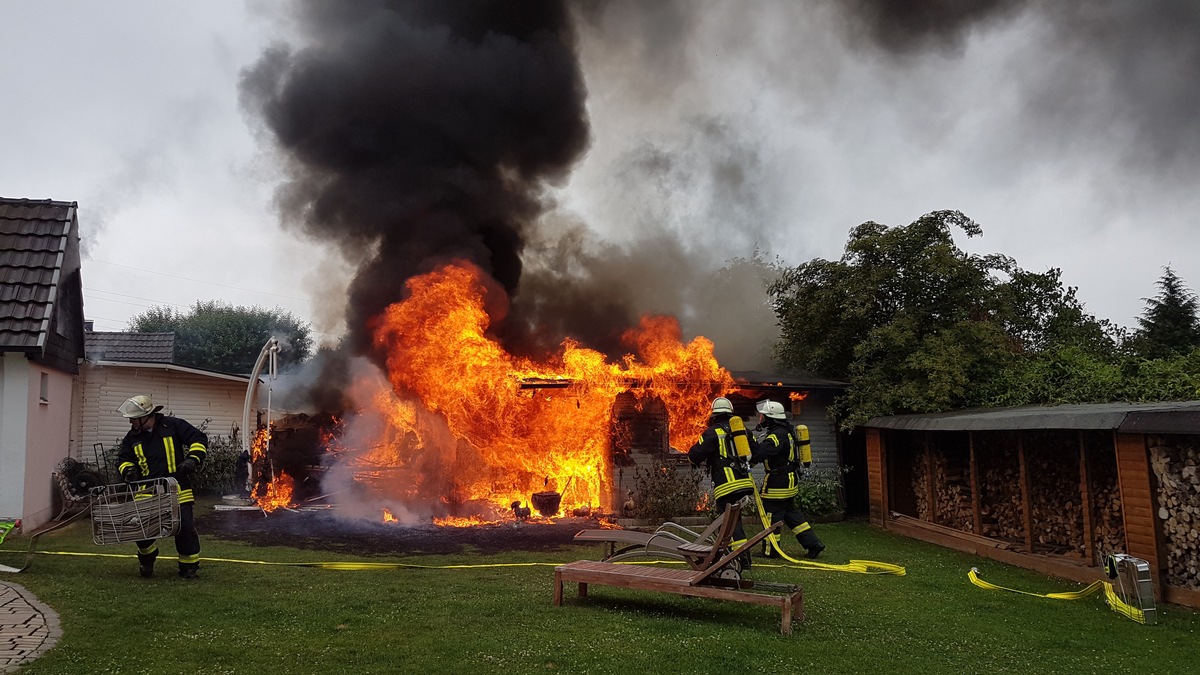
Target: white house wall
<point x="14" y="415"/>
<point x="193" y="397"/>
<point x="47" y="441"/>
<point x="33" y="437"/>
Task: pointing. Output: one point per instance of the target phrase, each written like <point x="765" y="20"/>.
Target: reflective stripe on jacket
<point x="777" y="450"/>
<point x="159" y="452"/>
<point x="715" y="448"/>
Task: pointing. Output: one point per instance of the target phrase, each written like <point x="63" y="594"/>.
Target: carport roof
<point x="1174" y="417"/>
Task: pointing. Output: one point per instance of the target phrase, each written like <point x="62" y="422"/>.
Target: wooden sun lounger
<point x="704" y="580"/>
<point x="661" y="543"/>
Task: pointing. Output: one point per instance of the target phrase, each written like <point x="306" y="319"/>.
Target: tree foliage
<point x="1169" y="326"/>
<point x="217" y="336"/>
<point x="915" y="324"/>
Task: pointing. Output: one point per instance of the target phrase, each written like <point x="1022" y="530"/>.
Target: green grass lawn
<point x="242" y="618"/>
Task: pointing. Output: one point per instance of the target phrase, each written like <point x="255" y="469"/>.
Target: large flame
<point x="469" y="430"/>
<point x="496" y="438"/>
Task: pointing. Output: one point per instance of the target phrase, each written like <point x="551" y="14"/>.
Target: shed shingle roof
<point x="1168" y="417"/>
<point x="140" y="347"/>
<point x="34" y="236"/>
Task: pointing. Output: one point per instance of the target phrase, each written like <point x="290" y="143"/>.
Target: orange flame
<point x="798" y="395"/>
<point x="279" y="493"/>
<point x="452" y="521"/>
<point x="460" y="420"/>
<point x="279" y="490"/>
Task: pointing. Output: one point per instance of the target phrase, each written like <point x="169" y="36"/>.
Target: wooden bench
<point x="710" y="576"/>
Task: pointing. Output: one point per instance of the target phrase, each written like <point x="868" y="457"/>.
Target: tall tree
<point x="217" y="336"/>
<point x="915" y="324"/>
<point x="1169" y="326"/>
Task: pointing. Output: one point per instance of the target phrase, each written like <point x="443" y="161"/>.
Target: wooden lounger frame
<point x="663" y="542"/>
<point x="703" y="580"/>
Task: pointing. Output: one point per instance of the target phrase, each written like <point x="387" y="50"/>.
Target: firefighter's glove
<point x="188" y="467"/>
<point x="129" y="475"/>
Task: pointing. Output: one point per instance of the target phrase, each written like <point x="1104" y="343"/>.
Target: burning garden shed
<point x="1054" y="489"/>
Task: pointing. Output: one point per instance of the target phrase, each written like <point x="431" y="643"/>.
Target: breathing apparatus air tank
<point x="740" y="442"/>
<point x="805" y="445"/>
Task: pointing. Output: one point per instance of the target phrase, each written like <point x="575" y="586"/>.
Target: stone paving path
<point x="27" y="627"/>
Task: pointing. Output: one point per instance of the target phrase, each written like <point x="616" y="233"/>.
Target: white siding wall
<point x="190" y="396"/>
<point x="821" y="431"/>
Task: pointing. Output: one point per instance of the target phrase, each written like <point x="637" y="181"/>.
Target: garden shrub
<point x="821" y="491"/>
<point x="666" y="490"/>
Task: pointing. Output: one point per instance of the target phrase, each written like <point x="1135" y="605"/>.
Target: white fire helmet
<point x="772" y="409"/>
<point x="138" y="406"/>
<point x="722" y="405"/>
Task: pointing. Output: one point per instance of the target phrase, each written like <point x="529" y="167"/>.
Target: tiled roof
<point x="33" y="241"/>
<point x="142" y="347"/>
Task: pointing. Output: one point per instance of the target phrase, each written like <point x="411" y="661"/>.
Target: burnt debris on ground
<point x="322" y="531"/>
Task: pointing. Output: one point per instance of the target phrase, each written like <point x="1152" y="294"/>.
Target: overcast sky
<point x="1070" y="135"/>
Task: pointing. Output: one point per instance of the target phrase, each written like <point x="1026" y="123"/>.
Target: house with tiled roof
<point x="41" y="347"/>
<point x="118" y="365"/>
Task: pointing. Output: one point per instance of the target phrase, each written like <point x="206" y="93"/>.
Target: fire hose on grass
<point x="742" y="445"/>
<point x="1133" y="575"/>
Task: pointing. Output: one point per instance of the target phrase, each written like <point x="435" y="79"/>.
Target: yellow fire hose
<point x="1115" y="603"/>
<point x="854" y="566"/>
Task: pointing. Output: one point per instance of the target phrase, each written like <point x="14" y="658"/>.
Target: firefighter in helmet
<point x="158" y="446"/>
<point x="781" y="453"/>
<point x="729" y="470"/>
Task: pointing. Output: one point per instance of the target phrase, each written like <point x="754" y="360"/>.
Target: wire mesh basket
<point x="128" y="512"/>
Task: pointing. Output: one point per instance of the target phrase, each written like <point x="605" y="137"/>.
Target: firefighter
<point x="158" y="446"/>
<point x="730" y="471"/>
<point x="780" y="452"/>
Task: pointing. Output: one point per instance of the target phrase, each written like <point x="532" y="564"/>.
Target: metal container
<point x="546" y="503"/>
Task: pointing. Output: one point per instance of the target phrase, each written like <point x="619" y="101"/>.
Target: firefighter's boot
<point x="146" y="563"/>
<point x="189" y="570"/>
<point x="811" y="543"/>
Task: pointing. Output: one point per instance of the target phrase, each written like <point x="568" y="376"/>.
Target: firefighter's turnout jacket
<point x="715" y="448"/>
<point x="159" y="452"/>
<point x="780" y="453"/>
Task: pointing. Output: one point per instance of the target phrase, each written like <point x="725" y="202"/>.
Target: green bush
<point x="821" y="491"/>
<point x="666" y="490"/>
<point x="220" y="467"/>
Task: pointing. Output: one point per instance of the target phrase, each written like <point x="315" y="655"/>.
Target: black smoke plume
<point x="418" y="131"/>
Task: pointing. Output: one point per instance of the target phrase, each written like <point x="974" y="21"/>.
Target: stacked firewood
<point x="952" y="494"/>
<point x="920" y="485"/>
<point x="1000" y="502"/>
<point x="1177" y="470"/>
<point x="1055" y="501"/>
<point x="950" y="503"/>
<point x="1108" y="521"/>
<point x="1108" y="525"/>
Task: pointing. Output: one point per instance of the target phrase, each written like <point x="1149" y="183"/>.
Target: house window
<point x="44" y="389"/>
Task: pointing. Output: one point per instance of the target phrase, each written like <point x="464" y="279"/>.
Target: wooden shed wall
<point x="877" y="475"/>
<point x="1137" y="498"/>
